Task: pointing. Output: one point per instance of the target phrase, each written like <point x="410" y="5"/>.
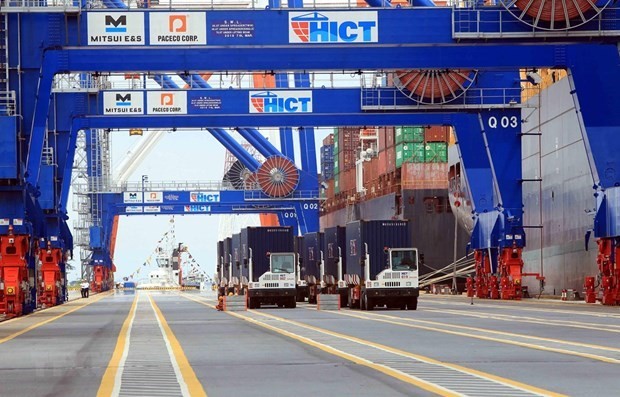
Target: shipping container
<point x="437" y="133"/>
<point x="262" y="241"/>
<point x="335" y="240"/>
<point x="328" y="140"/>
<point x="409" y="134"/>
<point x="312" y="245"/>
<point x="370" y="170"/>
<point x="424" y="176"/>
<point x="237" y="269"/>
<point x="409" y="153"/>
<point x="347" y="180"/>
<point x="382" y="163"/>
<point x="390" y="140"/>
<point x="327" y="150"/>
<point x="381" y="139"/>
<point x="376" y="235"/>
<point x="436" y="152"/>
<point x="391" y="159"/>
<point x="329" y="192"/>
<point x="346" y="160"/>
<point x="227" y="257"/>
<point x="220" y="255"/>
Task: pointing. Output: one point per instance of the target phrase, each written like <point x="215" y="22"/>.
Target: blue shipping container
<point x="238" y="269"/>
<point x="312" y="247"/>
<point x="334" y="238"/>
<point x="377" y="235"/>
<point x="227" y="256"/>
<point x="264" y="240"/>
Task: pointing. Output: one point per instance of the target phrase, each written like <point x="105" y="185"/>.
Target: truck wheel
<point x="293" y="303"/>
<point x="250" y="303"/>
<point x="413" y="303"/>
<point x="367" y="303"/>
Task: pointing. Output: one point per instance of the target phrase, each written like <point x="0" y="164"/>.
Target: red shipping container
<point x="371" y="170"/>
<point x="347" y="180"/>
<point x="346" y="160"/>
<point x="389" y="137"/>
<point x="329" y="192"/>
<point x="424" y="176"/>
<point x="329" y="140"/>
<point x="391" y="159"/>
<point x="436" y="133"/>
<point x="382" y="163"/>
<point x="381" y="136"/>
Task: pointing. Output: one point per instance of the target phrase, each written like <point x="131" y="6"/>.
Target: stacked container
<point x="421" y="144"/>
<point x="346" y="142"/>
<point x="327" y="161"/>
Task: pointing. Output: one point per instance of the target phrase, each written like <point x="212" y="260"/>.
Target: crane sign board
<point x="333" y="27"/>
<point x="116" y="28"/>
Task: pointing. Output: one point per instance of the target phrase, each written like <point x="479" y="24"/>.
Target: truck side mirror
<point x="245" y="261"/>
<point x="238" y="265"/>
<point x="422" y="258"/>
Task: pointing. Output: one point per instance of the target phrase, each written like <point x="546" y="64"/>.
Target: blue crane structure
<point x="39" y="129"/>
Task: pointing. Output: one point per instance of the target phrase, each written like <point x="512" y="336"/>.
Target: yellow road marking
<point x="429" y="360"/>
<point x="49" y="320"/>
<point x="386" y="370"/>
<point x="189" y="376"/>
<point x="531" y="320"/>
<point x="106" y="388"/>
<point x="489" y="338"/>
<point x="449" y="301"/>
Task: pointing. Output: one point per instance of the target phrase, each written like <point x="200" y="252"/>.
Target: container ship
<point x="559" y="208"/>
<point x="398" y="173"/>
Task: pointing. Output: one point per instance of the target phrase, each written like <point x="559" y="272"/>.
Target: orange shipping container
<point x="436" y="133"/>
<point x="329" y="140"/>
<point x="424" y="176"/>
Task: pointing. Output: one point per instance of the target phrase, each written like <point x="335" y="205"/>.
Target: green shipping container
<point x="336" y="166"/>
<point x="436" y="152"/>
<point x="409" y="153"/>
<point x="409" y="134"/>
<point x="336" y="183"/>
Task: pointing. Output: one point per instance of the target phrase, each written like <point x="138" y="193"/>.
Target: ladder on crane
<point x="7" y="97"/>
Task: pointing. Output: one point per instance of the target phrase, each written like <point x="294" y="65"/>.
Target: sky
<point x="181" y="156"/>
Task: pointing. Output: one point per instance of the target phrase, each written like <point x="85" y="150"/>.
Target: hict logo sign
<point x="188" y="28"/>
<point x="115" y="28"/>
<point x="333" y="27"/>
<point x="281" y="101"/>
<point x="204" y="197"/>
<point x="169" y="102"/>
<point x="123" y="102"/>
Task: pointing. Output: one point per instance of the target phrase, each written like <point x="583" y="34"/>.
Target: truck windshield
<point x="405" y="260"/>
<point x="283" y="263"/>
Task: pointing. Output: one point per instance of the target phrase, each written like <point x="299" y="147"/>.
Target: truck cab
<point x="278" y="285"/>
<point x="395" y="286"/>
